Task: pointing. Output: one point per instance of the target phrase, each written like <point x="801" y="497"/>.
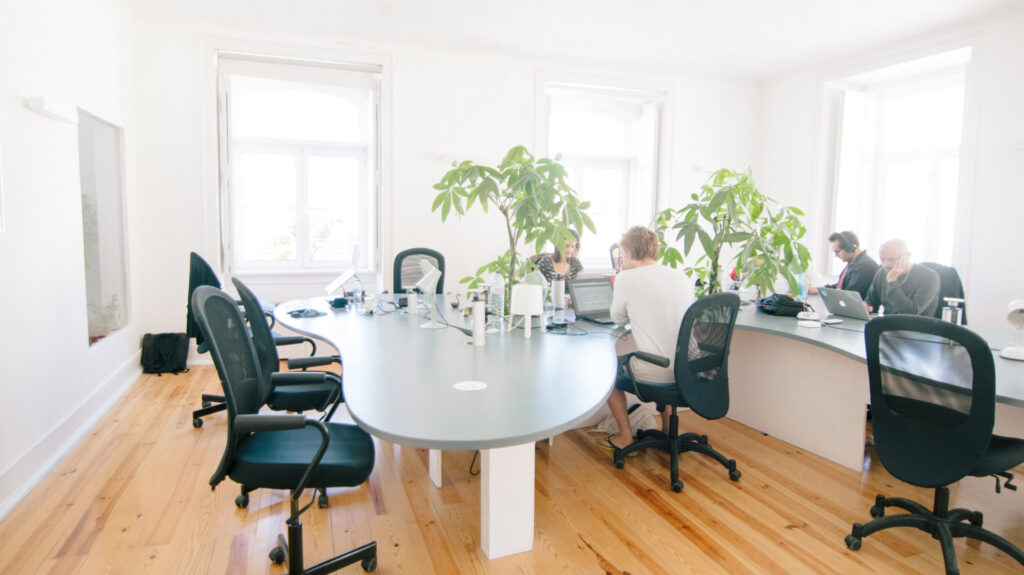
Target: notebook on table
<point x="844" y="302"/>
<point x="592" y="299"/>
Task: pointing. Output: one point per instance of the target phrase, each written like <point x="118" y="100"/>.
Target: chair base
<point x="940" y="522"/>
<point x="674" y="444"/>
<point x="211" y="404"/>
<point x="290" y="549"/>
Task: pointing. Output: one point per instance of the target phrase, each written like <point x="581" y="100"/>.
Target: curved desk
<point x="400" y="385"/>
<point x="809" y="386"/>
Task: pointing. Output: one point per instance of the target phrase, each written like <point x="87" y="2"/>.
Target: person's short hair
<point x="848" y="241"/>
<point x="640" y="242"/>
<point x="897" y="244"/>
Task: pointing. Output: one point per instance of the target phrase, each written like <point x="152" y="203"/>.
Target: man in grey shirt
<point x="900" y="286"/>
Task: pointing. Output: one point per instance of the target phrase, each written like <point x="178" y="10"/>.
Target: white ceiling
<point x="752" y="38"/>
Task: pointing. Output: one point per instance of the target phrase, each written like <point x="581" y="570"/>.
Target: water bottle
<point x="801" y="293"/>
<point x="479" y="330"/>
<point x="558" y="291"/>
<point x="497" y="299"/>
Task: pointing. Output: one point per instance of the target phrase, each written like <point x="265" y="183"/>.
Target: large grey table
<point x="809" y="387"/>
<point x="418" y="387"/>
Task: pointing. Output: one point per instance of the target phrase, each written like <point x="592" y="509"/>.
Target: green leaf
<point x="717" y="200"/>
<point x="705" y="241"/>
<point x="437" y="202"/>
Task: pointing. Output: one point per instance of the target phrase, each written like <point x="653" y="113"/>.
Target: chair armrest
<point x="253" y="423"/>
<point x="280" y="340"/>
<point x="306" y="362"/>
<point x="650" y="358"/>
<point x="297" y="377"/>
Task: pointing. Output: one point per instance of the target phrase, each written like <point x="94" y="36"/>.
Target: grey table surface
<point x="847" y="339"/>
<point x="399" y="379"/>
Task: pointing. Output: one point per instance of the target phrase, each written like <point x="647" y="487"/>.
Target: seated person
<point x="652" y="299"/>
<point x="568" y="266"/>
<point x="900" y="286"/>
<point x="860" y="268"/>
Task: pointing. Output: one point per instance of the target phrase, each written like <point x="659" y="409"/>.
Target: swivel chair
<point x="288" y="390"/>
<point x="407" y="272"/>
<point x="949" y="287"/>
<point x="933" y="408"/>
<point x="701" y="383"/>
<point x="278" y="451"/>
<point x="200" y="274"/>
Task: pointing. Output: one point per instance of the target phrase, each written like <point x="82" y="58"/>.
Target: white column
<point x="506" y="500"/>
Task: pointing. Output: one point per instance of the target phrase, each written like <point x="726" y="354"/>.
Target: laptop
<point x="844" y="302"/>
<point x="592" y="299"/>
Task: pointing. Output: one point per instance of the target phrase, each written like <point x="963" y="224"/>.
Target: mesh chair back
<point x="702" y="353"/>
<point x="234" y="356"/>
<point x="932" y="397"/>
<point x="407" y="268"/>
<point x="199" y="274"/>
<point x="262" y="338"/>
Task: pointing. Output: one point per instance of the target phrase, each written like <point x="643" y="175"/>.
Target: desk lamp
<point x="1016" y="318"/>
<point x="528" y="301"/>
<point x="428" y="287"/>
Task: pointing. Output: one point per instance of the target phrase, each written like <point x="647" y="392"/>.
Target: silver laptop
<point x="592" y="299"/>
<point x="844" y="302"/>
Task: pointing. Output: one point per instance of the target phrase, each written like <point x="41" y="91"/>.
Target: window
<point x="899" y="155"/>
<point x="100" y="175"/>
<point x="299" y="163"/>
<point x="608" y="140"/>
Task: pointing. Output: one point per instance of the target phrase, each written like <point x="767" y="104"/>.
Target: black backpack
<point x="164" y="353"/>
<point x="780" y="304"/>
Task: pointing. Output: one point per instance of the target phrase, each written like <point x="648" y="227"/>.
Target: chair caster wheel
<point x="207" y="403"/>
<point x="242" y="501"/>
<point x="619" y="462"/>
<point x="853" y="543"/>
<point x="197" y="423"/>
<point x="877" y="511"/>
<point x="677" y="486"/>
<point x="369" y="564"/>
<point x="734" y="475"/>
<point x="322" y="502"/>
<point x="277" y="555"/>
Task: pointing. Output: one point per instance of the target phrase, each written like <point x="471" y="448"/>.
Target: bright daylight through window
<point x="609" y="144"/>
<point x="299" y="154"/>
<point x="899" y="155"/>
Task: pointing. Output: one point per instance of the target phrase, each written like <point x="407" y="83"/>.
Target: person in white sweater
<point x="652" y="300"/>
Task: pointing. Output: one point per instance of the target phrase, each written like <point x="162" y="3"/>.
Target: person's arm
<point x="575" y="267"/>
<point x="874" y="298"/>
<point x="618" y="311"/>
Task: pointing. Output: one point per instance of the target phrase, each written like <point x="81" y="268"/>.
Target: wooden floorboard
<point x="134" y="497"/>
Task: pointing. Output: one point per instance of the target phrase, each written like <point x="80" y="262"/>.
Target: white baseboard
<point x="25" y="474"/>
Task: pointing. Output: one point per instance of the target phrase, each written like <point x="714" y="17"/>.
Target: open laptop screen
<point x="592" y="296"/>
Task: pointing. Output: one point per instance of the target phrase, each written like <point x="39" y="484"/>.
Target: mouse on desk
<point x="832" y="320"/>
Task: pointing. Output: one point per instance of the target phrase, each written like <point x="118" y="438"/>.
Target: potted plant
<point x="531" y="194"/>
<point x="729" y="209"/>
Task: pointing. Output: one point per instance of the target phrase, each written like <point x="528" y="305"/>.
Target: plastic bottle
<point x="497" y="298"/>
<point x="801" y="293"/>
<point x="478" y="321"/>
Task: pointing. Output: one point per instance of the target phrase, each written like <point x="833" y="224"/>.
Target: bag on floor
<point x="164" y="353"/>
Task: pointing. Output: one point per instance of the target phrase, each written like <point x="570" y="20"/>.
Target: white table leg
<point x="435" y="467"/>
<point x="506" y="500"/>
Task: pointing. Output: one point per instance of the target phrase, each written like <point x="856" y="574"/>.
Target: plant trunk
<point x="511" y="261"/>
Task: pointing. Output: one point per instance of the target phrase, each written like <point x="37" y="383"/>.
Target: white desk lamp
<point x="428" y="287"/>
<point x="528" y="301"/>
<point x="1016" y="318"/>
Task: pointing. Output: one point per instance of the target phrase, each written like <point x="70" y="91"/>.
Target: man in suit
<point x="900" y="286"/>
<point x="860" y="268"/>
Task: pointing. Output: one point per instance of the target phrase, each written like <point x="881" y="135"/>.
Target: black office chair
<point x="949" y="287"/>
<point x="278" y="451"/>
<point x="407" y="268"/>
<point x="200" y="274"/>
<point x="933" y="407"/>
<point x="701" y="383"/>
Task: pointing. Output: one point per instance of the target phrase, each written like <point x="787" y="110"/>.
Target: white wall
<point x="53" y="385"/>
<point x="440" y="106"/>
<point x="992" y="162"/>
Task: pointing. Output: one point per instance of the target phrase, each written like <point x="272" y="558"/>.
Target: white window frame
<point x="286" y="68"/>
<point x="875" y="88"/>
<point x="636" y="208"/>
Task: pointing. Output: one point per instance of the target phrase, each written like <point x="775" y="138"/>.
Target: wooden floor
<point x="134" y="498"/>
